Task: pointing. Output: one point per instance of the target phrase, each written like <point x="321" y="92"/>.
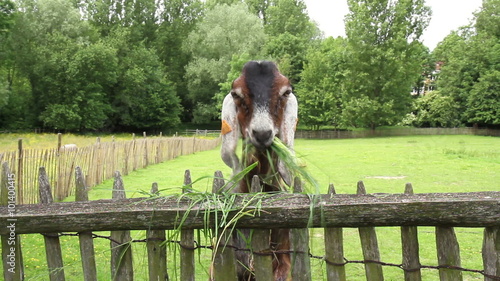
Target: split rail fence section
<point x="99" y="160"/>
<point x="257" y="211"/>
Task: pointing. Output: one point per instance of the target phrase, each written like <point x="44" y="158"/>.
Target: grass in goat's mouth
<point x="293" y="164"/>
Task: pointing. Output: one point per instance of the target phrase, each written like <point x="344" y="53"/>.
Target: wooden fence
<point x="257" y="211"/>
<point x="99" y="160"/>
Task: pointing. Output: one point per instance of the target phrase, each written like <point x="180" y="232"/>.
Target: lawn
<point x="430" y="163"/>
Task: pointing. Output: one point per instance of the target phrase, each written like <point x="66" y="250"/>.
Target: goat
<point x="68" y="147"/>
<point x="260" y="107"/>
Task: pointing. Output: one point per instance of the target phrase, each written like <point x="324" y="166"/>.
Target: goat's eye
<point x="234" y="94"/>
<point x="287" y="93"/>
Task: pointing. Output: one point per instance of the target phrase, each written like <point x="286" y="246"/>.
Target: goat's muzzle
<point x="262" y="139"/>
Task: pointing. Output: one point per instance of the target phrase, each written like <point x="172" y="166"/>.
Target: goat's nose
<point x="262" y="137"/>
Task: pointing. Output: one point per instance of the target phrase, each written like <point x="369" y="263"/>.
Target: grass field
<point x="430" y="163"/>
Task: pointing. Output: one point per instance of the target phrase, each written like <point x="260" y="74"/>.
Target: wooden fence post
<point x="334" y="250"/>
<point x="146" y="159"/>
<point x="187" y="241"/>
<point x="97" y="149"/>
<point x="263" y="260"/>
<point x="52" y="243"/>
<point x="448" y="252"/>
<point x="86" y="240"/>
<point x="301" y="262"/>
<point x="410" y="248"/>
<point x="369" y="244"/>
<point x="12" y="258"/>
<point x="134" y="151"/>
<point x="121" y="242"/>
<point x="491" y="252"/>
<point x="59" y="141"/>
<point x="157" y="250"/>
<point x="114" y="158"/>
<point x="20" y="172"/>
<point x="224" y="263"/>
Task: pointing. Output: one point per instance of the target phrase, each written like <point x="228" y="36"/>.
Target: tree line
<point x="125" y="65"/>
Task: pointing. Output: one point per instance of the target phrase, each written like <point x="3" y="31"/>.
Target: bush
<point x="434" y="110"/>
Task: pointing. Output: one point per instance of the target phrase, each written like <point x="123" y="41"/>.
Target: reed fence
<point x="258" y="211"/>
<point x="100" y="160"/>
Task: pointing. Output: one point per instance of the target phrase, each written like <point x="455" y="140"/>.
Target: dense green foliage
<point x="471" y="72"/>
<point x="93" y="65"/>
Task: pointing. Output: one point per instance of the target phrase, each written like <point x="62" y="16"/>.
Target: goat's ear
<point x="289" y="123"/>
<point x="230" y="133"/>
<point x="287" y="133"/>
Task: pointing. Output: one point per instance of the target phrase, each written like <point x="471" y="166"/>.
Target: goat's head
<point x="260" y="95"/>
<point x="259" y="107"/>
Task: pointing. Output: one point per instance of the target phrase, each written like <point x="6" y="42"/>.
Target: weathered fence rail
<point x="478" y="209"/>
<point x="257" y="211"/>
<point x="99" y="161"/>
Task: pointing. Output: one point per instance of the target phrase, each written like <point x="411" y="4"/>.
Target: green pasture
<point x="430" y="163"/>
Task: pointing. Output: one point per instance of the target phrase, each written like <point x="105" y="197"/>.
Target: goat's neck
<point x="266" y="169"/>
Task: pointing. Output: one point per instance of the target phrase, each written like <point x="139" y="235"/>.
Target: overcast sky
<point x="447" y="15"/>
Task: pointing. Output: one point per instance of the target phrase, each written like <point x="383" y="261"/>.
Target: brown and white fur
<point x="260" y="107"/>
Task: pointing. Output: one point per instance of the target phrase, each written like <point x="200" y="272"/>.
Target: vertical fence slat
<point x="410" y="248"/>
<point x="146" y="159"/>
<point x="52" y="243"/>
<point x="85" y="238"/>
<point x="263" y="264"/>
<point x="224" y="265"/>
<point x="448" y="252"/>
<point x="334" y="250"/>
<point x="157" y="251"/>
<point x="301" y="262"/>
<point x="491" y="252"/>
<point x="187" y="241"/>
<point x="369" y="244"/>
<point x="121" y="242"/>
<point x="12" y="258"/>
<point x="20" y="172"/>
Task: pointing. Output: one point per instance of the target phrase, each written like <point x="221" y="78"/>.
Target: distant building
<point x="428" y="80"/>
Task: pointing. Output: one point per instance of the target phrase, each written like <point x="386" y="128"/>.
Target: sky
<point x="447" y="15"/>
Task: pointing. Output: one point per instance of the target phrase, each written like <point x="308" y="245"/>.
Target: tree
<point x="82" y="104"/>
<point x="291" y="33"/>
<point x="101" y="73"/>
<point x="320" y="86"/>
<point x="259" y="8"/>
<point x="14" y="90"/>
<point x="177" y="19"/>
<point x="224" y="31"/>
<point x="7" y="12"/>
<point x="45" y="38"/>
<point x="145" y="100"/>
<point x="458" y="71"/>
<point x="471" y="67"/>
<point x="384" y="50"/>
<point x="483" y="104"/>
